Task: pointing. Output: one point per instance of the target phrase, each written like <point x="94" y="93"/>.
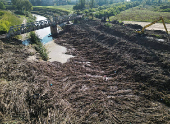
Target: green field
<point x="67" y="8"/>
<point x="139" y="13"/>
<point x="64" y="7"/>
<point x="8" y="19"/>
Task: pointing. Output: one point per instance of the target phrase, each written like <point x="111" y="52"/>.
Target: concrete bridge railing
<point x="25" y="28"/>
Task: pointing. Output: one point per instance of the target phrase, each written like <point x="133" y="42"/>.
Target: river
<point x="56" y="52"/>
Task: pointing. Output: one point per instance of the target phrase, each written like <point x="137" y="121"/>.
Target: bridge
<point x="25" y="28"/>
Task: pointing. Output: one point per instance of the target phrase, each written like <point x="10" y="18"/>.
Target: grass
<point x="140" y="13"/>
<point x="65" y="8"/>
<point x="8" y="19"/>
<point x="49" y="11"/>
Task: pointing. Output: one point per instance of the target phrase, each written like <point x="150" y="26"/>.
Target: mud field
<point x="116" y="77"/>
<point x="156" y="26"/>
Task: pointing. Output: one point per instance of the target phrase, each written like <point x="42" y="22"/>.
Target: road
<point x="156" y="26"/>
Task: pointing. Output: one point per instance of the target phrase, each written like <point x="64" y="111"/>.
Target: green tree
<point x="86" y="11"/>
<point x="22" y="5"/>
<point x="2" y="5"/>
<point x="82" y="3"/>
<point x="92" y="3"/>
<point x="27" y="5"/>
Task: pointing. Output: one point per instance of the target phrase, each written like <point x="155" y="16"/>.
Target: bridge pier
<point x="54" y="30"/>
<point x="68" y="26"/>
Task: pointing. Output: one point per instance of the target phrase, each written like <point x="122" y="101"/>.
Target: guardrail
<point x="25" y="28"/>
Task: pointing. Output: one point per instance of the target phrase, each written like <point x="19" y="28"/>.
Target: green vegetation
<point x="94" y="3"/>
<point x="161" y="7"/>
<point x="34" y="39"/>
<point x="108" y="24"/>
<point x="157" y="36"/>
<point x="50" y="10"/>
<point x="22" y="5"/>
<point x="80" y="5"/>
<point x="2" y="5"/>
<point x="140" y="13"/>
<point x="8" y="19"/>
<point x="64" y="7"/>
<point x="110" y="10"/>
<point x="114" y="9"/>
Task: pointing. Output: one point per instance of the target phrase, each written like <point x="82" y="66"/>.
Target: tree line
<point x="22" y="5"/>
<point x="82" y="4"/>
<point x="114" y="9"/>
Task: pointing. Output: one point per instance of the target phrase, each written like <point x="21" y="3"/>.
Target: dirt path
<point x="156" y="26"/>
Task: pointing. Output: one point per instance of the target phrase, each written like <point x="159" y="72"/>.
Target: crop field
<point x="141" y="14"/>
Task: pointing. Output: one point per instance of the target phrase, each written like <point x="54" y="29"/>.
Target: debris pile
<point x="115" y="77"/>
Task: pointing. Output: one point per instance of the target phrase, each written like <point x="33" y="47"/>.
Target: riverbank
<point x="57" y="52"/>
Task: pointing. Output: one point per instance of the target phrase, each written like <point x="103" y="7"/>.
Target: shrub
<point x="42" y="50"/>
<point x="114" y="9"/>
<point x="8" y="19"/>
<point x="4" y="26"/>
<point x="108" y="25"/>
<point x="34" y="39"/>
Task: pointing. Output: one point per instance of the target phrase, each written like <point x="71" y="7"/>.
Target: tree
<point x="2" y="5"/>
<point x="27" y="5"/>
<point x="86" y="11"/>
<point x="22" y="5"/>
<point x="91" y="3"/>
<point x="82" y="3"/>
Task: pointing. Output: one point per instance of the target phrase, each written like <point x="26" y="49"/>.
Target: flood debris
<point x="115" y="77"/>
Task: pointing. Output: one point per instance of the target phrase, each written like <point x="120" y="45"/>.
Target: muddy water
<point x="56" y="52"/>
